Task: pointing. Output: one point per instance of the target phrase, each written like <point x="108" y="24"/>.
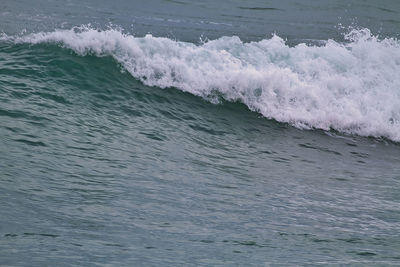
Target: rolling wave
<point x="351" y="87"/>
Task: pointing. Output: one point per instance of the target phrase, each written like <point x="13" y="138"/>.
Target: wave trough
<point x="351" y="87"/>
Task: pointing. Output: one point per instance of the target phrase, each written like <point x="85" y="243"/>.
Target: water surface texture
<point x="199" y="133"/>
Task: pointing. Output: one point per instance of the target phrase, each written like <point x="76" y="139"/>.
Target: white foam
<point x="353" y="87"/>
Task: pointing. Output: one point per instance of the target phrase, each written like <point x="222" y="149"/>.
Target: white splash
<point x="352" y="87"/>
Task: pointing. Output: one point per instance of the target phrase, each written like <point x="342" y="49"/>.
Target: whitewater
<point x="352" y="87"/>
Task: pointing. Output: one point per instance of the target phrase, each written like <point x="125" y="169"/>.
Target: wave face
<point x="351" y="87"/>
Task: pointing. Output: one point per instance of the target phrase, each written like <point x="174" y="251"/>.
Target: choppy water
<point x="181" y="133"/>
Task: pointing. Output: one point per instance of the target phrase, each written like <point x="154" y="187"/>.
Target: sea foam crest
<point x="352" y="87"/>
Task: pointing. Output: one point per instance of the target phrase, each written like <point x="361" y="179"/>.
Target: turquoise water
<point x="179" y="133"/>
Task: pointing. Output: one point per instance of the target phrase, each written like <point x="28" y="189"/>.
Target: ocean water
<point x="199" y="133"/>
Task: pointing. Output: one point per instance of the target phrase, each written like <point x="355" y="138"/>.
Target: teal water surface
<point x="108" y="159"/>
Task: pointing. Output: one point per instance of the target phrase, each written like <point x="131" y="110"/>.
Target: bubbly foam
<point x="352" y="87"/>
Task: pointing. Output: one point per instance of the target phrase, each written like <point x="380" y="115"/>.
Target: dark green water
<point x="118" y="150"/>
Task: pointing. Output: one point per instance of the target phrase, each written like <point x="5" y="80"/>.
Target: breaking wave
<point x="351" y="87"/>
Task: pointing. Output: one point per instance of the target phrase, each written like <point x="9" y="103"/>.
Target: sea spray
<point x="351" y="87"/>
